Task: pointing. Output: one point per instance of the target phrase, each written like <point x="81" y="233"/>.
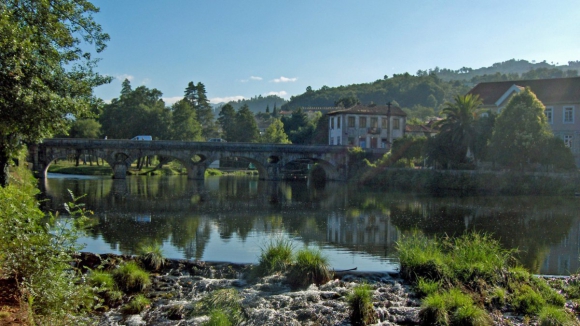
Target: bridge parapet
<point x="119" y="154"/>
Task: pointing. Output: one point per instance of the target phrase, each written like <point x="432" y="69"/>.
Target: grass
<point x="309" y="267"/>
<point x="131" y="278"/>
<point x="556" y="316"/>
<point x="105" y="287"/>
<point x="360" y="301"/>
<point x="223" y="306"/>
<point x="66" y="167"/>
<point x="276" y="257"/>
<point x="461" y="277"/>
<point x="151" y="256"/>
<point x="136" y="305"/>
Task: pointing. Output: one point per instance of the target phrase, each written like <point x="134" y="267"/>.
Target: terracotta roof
<point x="554" y="90"/>
<point x="418" y="128"/>
<point x="371" y="110"/>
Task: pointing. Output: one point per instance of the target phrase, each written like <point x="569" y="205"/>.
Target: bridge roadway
<point x="269" y="159"/>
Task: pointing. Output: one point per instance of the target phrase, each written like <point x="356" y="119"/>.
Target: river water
<point x="232" y="218"/>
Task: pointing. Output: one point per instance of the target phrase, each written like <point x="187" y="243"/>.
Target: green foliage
<point x="246" y="129"/>
<point x="310" y="267"/>
<point x="259" y="103"/>
<point x="218" y="318"/>
<point x="275" y="134"/>
<point x="556" y="316"/>
<point x="151" y="256"/>
<point x="227" y="120"/>
<point x="39" y="259"/>
<point x="520" y="130"/>
<point x="406" y="149"/>
<point x="185" y="125"/>
<point x="136" y="305"/>
<point x="276" y="257"/>
<point x="527" y="300"/>
<point x="131" y="278"/>
<point x="85" y="128"/>
<point x="425" y="287"/>
<point x="360" y="301"/>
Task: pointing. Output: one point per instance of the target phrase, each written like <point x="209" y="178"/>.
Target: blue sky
<point x="248" y="48"/>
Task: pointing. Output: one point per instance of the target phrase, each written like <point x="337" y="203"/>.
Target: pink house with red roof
<point x="560" y="96"/>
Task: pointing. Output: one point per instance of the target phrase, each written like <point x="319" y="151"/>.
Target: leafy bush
<point x="39" y="258"/>
<point x="309" y="267"/>
<point x="131" y="278"/>
<point x="360" y="301"/>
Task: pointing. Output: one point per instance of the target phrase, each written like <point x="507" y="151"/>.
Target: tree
<point x="46" y="70"/>
<point x="275" y="134"/>
<point x="227" y="120"/>
<point x="520" y="130"/>
<point x="184" y="122"/>
<point x="205" y="113"/>
<point x="459" y="122"/>
<point x="246" y="127"/>
<point x="85" y="128"/>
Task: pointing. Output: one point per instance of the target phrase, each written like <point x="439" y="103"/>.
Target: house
<point x="366" y="126"/>
<point x="560" y="96"/>
<point x="419" y="131"/>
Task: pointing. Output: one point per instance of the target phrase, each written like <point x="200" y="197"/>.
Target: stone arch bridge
<point x="269" y="159"/>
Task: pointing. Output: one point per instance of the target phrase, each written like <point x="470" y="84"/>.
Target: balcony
<point x="374" y="131"/>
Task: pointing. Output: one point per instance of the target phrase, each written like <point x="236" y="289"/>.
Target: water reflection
<point x="231" y="218"/>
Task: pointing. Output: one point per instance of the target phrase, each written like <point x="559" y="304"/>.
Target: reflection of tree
<point x="241" y="225"/>
<point x="190" y="234"/>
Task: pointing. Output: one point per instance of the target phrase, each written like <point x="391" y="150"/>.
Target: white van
<point x="141" y="138"/>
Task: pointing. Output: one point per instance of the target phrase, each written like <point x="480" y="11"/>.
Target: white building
<point x="366" y="126"/>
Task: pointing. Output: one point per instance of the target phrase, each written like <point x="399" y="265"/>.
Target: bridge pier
<point x="196" y="172"/>
<point x="119" y="171"/>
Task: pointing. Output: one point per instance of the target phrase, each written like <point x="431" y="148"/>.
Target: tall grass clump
<point x="360" y="301"/>
<point x="309" y="267"/>
<point x="105" y="287"/>
<point x="151" y="256"/>
<point x="136" y="305"/>
<point x="556" y="316"/>
<point x="38" y="257"/>
<point x="276" y="257"/>
<point x="452" y="307"/>
<point x="219" y="304"/>
<point x="420" y="256"/>
<point x="131" y="278"/>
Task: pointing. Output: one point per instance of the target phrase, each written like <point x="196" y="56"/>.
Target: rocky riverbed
<point x="177" y="289"/>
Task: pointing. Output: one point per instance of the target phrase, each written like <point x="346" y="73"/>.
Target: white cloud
<point x="171" y="100"/>
<point x="280" y="93"/>
<point x="122" y="77"/>
<point x="225" y="99"/>
<point x="251" y="78"/>
<point x="283" y="79"/>
<point x="145" y="81"/>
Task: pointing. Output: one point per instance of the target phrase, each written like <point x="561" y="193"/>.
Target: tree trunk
<point x="5" y="166"/>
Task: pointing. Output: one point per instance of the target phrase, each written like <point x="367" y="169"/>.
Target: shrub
<point x="275" y="257"/>
<point x="309" y="267"/>
<point x="361" y="305"/>
<point x="151" y="256"/>
<point x="131" y="278"/>
<point x="137" y="304"/>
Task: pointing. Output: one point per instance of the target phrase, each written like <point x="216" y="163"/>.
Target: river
<point x="231" y="218"/>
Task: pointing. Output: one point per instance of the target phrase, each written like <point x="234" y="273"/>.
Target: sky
<point x="241" y="49"/>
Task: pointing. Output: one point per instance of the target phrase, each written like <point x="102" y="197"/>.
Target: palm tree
<point x="459" y="122"/>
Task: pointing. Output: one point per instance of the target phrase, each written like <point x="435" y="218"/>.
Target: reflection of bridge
<point x="269" y="159"/>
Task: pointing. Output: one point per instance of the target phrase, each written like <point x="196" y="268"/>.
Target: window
<point x="338" y="140"/>
<point x="568" y="140"/>
<point x="362" y="122"/>
<point x="384" y="122"/>
<point x="338" y="122"/>
<point x="331" y="140"/>
<point x="568" y="115"/>
<point x="396" y="124"/>
<point x="351" y="142"/>
<point x="331" y="123"/>
<point x="549" y="111"/>
<point x="374" y="122"/>
<point x="351" y="122"/>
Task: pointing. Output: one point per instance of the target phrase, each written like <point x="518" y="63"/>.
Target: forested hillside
<point x="259" y="104"/>
<point x="422" y="95"/>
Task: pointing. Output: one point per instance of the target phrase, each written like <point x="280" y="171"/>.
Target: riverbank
<point x="179" y="290"/>
<point x="469" y="182"/>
